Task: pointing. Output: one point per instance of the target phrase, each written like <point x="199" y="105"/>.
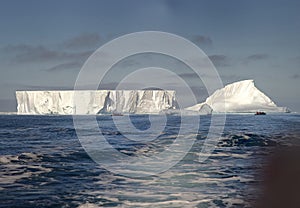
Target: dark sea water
<point x="42" y="164"/>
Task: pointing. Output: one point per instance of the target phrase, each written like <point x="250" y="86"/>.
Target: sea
<point x="44" y="164"/>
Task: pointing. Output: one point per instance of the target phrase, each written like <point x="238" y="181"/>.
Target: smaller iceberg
<point x="201" y="108"/>
<point x="239" y="97"/>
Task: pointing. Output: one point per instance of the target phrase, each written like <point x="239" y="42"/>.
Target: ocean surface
<point x="42" y="163"/>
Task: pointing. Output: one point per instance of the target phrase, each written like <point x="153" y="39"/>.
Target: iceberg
<point x="239" y="97"/>
<point x="207" y="110"/>
<point x="95" y="102"/>
<point x="201" y="108"/>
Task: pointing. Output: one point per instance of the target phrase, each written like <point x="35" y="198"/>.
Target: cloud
<point x="228" y="78"/>
<point x="193" y="75"/>
<point x="188" y="75"/>
<point x="200" y="93"/>
<point x="41" y="87"/>
<point x="86" y="40"/>
<point x="65" y="66"/>
<point x="17" y="48"/>
<point x="28" y="53"/>
<point x="219" y="60"/>
<point x="23" y="53"/>
<point x="295" y="76"/>
<point x="295" y="60"/>
<point x="256" y="57"/>
<point x="129" y="63"/>
<point x="202" y="40"/>
<point x="111" y="86"/>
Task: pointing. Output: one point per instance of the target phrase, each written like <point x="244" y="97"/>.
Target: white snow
<point x="95" y="102"/>
<point x="201" y="108"/>
<point x="239" y="97"/>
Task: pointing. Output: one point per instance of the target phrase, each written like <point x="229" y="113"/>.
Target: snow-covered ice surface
<point x="202" y="108"/>
<point x="239" y="97"/>
<point x="95" y="102"/>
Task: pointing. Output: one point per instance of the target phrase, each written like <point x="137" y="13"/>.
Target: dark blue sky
<point x="44" y="43"/>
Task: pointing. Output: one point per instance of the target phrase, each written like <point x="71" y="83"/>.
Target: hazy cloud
<point x="202" y="40"/>
<point x="27" y="53"/>
<point x="24" y="52"/>
<point x="219" y="60"/>
<point x="129" y="63"/>
<point x="24" y="86"/>
<point x="188" y="75"/>
<point x="40" y="87"/>
<point x="295" y="76"/>
<point x="200" y="93"/>
<point x="225" y="78"/>
<point x="83" y="41"/>
<point x="17" y="48"/>
<point x="65" y="66"/>
<point x="111" y="86"/>
<point x="124" y="86"/>
<point x="295" y="60"/>
<point x="256" y="57"/>
<point x="228" y="79"/>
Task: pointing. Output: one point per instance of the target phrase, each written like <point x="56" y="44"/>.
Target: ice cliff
<point x="239" y="97"/>
<point x="95" y="102"/>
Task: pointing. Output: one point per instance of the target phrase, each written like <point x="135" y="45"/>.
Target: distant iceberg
<point x="95" y="102"/>
<point x="201" y="108"/>
<point x="239" y="97"/>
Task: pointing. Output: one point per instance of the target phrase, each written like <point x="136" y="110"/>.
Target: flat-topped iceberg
<point x="95" y="102"/>
<point x="239" y="97"/>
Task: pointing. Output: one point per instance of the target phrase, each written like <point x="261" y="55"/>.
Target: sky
<point x="43" y="44"/>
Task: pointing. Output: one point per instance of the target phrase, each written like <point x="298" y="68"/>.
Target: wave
<point x="247" y="140"/>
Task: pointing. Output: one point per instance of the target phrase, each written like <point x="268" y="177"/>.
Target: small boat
<point x="260" y="113"/>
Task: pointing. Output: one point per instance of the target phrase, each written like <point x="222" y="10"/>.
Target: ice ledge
<point x="95" y="102"/>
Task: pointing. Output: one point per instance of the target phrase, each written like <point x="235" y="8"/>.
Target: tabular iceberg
<point x="239" y="97"/>
<point x="95" y="102"/>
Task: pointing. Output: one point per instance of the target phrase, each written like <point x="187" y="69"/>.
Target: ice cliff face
<point x="95" y="102"/>
<point x="240" y="97"/>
